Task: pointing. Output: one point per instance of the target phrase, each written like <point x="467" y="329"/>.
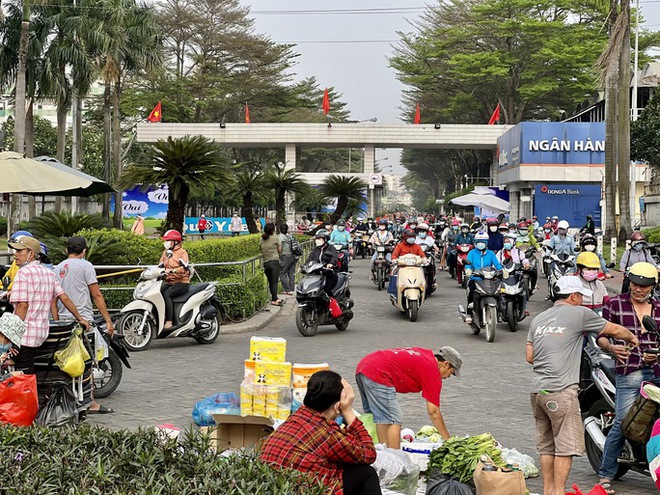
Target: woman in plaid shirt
<point x="312" y="442"/>
<point x="632" y="367"/>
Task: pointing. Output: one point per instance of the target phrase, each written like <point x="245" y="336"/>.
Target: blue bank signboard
<point x="571" y="202"/>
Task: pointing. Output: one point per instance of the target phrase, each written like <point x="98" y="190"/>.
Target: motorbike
<point x="546" y="253"/>
<point x="461" y="256"/>
<point x="488" y="283"/>
<point x="596" y="396"/>
<point x="196" y="313"/>
<point x="382" y="266"/>
<point x="361" y="244"/>
<point x="342" y="255"/>
<point x="561" y="264"/>
<point x="410" y="285"/>
<point x="429" y="269"/>
<point x="530" y="274"/>
<point x="514" y="293"/>
<point x="314" y="303"/>
<point x="109" y="356"/>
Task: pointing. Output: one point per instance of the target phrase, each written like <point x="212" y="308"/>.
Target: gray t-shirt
<point x="75" y="275"/>
<point x="557" y="338"/>
<point x="285" y="240"/>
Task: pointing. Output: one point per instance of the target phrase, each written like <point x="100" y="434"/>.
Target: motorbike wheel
<point x="364" y="253"/>
<point x="343" y="325"/>
<point x="213" y="333"/>
<point x="594" y="454"/>
<point x="511" y="316"/>
<point x="128" y="326"/>
<point x="413" y="309"/>
<point x="379" y="279"/>
<point x="491" y="322"/>
<point x="113" y="369"/>
<point x="306" y="321"/>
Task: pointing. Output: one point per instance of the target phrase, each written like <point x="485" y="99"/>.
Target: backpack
<point x="296" y="249"/>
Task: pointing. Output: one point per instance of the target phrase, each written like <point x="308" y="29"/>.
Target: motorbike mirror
<point x="610" y="265"/>
<point x="577" y="249"/>
<point x="650" y="324"/>
<point x="169" y="253"/>
<point x="6" y="282"/>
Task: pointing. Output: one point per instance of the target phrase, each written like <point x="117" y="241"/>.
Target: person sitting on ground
<point x="12" y="329"/>
<point x="177" y="273"/>
<point x="311" y="441"/>
<point x="588" y="243"/>
<point x="587" y="270"/>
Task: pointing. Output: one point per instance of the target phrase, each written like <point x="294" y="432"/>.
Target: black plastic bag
<point x="439" y="484"/>
<point x="61" y="408"/>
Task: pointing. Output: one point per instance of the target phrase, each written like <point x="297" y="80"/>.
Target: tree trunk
<point x="623" y="130"/>
<point x="176" y="206"/>
<point x="29" y="152"/>
<point x="611" y="190"/>
<point x="107" y="154"/>
<point x="280" y="207"/>
<point x="61" y="147"/>
<point x="246" y="211"/>
<point x="116" y="156"/>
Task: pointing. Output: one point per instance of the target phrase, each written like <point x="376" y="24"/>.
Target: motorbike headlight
<point x="140" y="291"/>
<point x="512" y="289"/>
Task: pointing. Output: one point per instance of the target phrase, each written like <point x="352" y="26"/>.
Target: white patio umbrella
<point x="485" y="201"/>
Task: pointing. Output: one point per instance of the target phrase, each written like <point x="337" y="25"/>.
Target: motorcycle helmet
<point x="503" y="228"/>
<point x="635" y="237"/>
<point x="523" y="228"/>
<point x="643" y="274"/>
<point x="382" y="221"/>
<point x="589" y="217"/>
<point x="555" y="218"/>
<point x="492" y="221"/>
<point x="341" y="223"/>
<point x="19" y="233"/>
<point x="587" y="260"/>
<point x="443" y="221"/>
<point x="423" y="226"/>
<point x="481" y="238"/>
<point x="455" y="222"/>
<point x="563" y="225"/>
<point x="588" y="240"/>
<point x="322" y="234"/>
<point x="465" y="228"/>
<point x="44" y="249"/>
<point x="172" y="235"/>
<point x="476" y="220"/>
<point x="360" y="220"/>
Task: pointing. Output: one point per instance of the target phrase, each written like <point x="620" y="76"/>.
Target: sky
<point x="349" y="51"/>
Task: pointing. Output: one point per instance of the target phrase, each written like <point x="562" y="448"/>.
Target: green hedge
<point x="133" y="249"/>
<point x="93" y="460"/>
<point x="652" y="234"/>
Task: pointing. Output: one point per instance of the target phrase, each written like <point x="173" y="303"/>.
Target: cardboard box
<point x="234" y="431"/>
<point x="268" y="349"/>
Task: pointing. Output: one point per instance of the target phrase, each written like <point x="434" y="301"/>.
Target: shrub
<point x="51" y="224"/>
<point x="133" y="249"/>
<point x="652" y="234"/>
<point x="3" y="226"/>
<point x="88" y="460"/>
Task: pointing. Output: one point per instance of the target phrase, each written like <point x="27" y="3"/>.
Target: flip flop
<point x="279" y="302"/>
<point x="607" y="486"/>
<point x="101" y="410"/>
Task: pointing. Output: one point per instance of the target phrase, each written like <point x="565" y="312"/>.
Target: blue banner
<point x="151" y="204"/>
<point x="570" y="202"/>
<point x="215" y="225"/>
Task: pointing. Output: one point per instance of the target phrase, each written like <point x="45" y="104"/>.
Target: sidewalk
<point x="614" y="284"/>
<point x="260" y="319"/>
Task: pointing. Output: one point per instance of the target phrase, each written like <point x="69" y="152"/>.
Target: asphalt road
<point x="490" y="396"/>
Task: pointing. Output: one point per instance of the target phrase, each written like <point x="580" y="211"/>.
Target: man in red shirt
<point x="408" y="246"/>
<point x="382" y="374"/>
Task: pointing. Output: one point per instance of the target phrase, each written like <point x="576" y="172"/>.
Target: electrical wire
<point x="377" y="11"/>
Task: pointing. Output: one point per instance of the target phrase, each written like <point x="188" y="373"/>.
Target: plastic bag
<point x="223" y="403"/>
<point x="439" y="484"/>
<point x="61" y="407"/>
<point x="18" y="400"/>
<point x="370" y="426"/>
<point x="71" y="359"/>
<point x="100" y="345"/>
<point x="596" y="490"/>
<point x="525" y="462"/>
<point x="396" y="471"/>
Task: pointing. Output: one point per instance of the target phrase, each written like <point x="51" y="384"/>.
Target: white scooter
<point x="196" y="313"/>
<point x="410" y="281"/>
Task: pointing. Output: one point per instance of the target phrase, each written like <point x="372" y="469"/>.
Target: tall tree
<point x="284" y="182"/>
<point x="342" y="189"/>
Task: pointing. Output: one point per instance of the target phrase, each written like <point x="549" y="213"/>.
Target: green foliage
<point x="64" y="224"/>
<point x="94" y="460"/>
<point x="241" y="299"/>
<point x="652" y="234"/>
<point x="458" y="457"/>
<point x="45" y="136"/>
<point x="221" y="251"/>
<point x="645" y="134"/>
<point x="344" y="190"/>
<point x="133" y="249"/>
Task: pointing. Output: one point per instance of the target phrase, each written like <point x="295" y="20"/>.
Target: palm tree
<point x="343" y="189"/>
<point x="311" y="200"/>
<point x="251" y="187"/>
<point x="184" y="164"/>
<point x="282" y="182"/>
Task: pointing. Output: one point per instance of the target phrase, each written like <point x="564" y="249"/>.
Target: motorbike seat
<point x="607" y="365"/>
<point x="192" y="290"/>
<point x="342" y="277"/>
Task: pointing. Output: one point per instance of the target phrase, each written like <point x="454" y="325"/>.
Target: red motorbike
<point x="462" y="251"/>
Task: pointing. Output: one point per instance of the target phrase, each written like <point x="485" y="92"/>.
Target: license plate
<point x="380" y="249"/>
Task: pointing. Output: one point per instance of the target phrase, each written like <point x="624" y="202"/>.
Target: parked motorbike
<point x="597" y="391"/>
<point x="560" y="265"/>
<point x="461" y="256"/>
<point x="342" y="255"/>
<point x="410" y="282"/>
<point x="487" y="290"/>
<point x="382" y="266"/>
<point x="514" y="293"/>
<point x="196" y="313"/>
<point x="314" y="302"/>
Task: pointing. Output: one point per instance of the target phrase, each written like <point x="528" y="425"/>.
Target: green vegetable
<point x="458" y="457"/>
<point x="435" y="438"/>
<point x="427" y="431"/>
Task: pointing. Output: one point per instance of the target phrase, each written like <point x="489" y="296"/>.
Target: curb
<point x="258" y="321"/>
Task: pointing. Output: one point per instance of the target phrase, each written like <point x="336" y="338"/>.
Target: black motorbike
<point x="430" y="269"/>
<point x="361" y="244"/>
<point x="342" y="256"/>
<point x="488" y="283"/>
<point x="513" y="296"/>
<point x="596" y="395"/>
<point x="314" y="302"/>
<point x="382" y="266"/>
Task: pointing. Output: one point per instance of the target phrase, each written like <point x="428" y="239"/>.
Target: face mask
<point x="493" y="228"/>
<point x="590" y="248"/>
<point x="5" y="348"/>
<point x="454" y="227"/>
<point x="480" y="246"/>
<point x="638" y="247"/>
<point x="167" y="244"/>
<point x="412" y="226"/>
<point x="547" y="231"/>
<point x="382" y="227"/>
<point x="328" y="227"/>
<point x="410" y="240"/>
<point x="507" y="246"/>
<point x="319" y="242"/>
<point x="341" y="228"/>
<point x="590" y="276"/>
<point x="422" y="235"/>
<point x="523" y="232"/>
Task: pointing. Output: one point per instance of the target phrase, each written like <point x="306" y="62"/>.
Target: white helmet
<point x="422" y="226"/>
<point x="563" y="225"/>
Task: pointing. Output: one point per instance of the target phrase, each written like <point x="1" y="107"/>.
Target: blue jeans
<point x="627" y="390"/>
<point x="388" y="257"/>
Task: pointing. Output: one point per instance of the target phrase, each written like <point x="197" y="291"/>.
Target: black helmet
<point x="588" y="240"/>
<point x="382" y="221"/>
<point x="408" y="233"/>
<point x="341" y="223"/>
<point x="322" y="234"/>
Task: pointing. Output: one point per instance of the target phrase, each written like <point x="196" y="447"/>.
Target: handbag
<point x="296" y="249"/>
<point x="71" y="359"/>
<point x="61" y="408"/>
<point x="19" y="402"/>
<point x="499" y="481"/>
<point x="638" y="421"/>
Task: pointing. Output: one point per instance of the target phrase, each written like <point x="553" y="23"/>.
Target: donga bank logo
<point x="561" y="191"/>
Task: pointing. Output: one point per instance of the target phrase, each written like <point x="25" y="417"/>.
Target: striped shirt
<point x="310" y="443"/>
<point x="36" y="285"/>
<point x="620" y="310"/>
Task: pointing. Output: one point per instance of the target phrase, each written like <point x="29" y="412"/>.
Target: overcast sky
<point x="350" y="50"/>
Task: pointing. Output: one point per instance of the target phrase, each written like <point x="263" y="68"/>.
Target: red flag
<point x="326" y="102"/>
<point x="418" y="115"/>
<point x="156" y="114"/>
<point x="494" y="119"/>
<point x="247" y="113"/>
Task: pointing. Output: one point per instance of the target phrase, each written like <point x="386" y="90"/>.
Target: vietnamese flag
<point x="494" y="119"/>
<point x="326" y="102"/>
<point x="247" y="113"/>
<point x="156" y="114"/>
<point x="418" y="115"/>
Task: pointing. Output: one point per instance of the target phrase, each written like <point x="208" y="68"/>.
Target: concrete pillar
<point x="369" y="159"/>
<point x="514" y="201"/>
<point x="291" y="157"/>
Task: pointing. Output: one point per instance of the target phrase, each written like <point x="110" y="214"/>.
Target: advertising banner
<point x="152" y="204"/>
<point x="570" y="202"/>
<point x="214" y="225"/>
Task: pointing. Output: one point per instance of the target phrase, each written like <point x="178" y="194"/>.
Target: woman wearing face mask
<point x="635" y="254"/>
<point x="562" y="243"/>
<point x="588" y="266"/>
<point x="495" y="237"/>
<point x="326" y="254"/>
<point x="633" y="366"/>
<point x="478" y="258"/>
<point x="177" y="274"/>
<point x="588" y="243"/>
<point x="547" y="231"/>
<point x="382" y="237"/>
<point x="407" y="245"/>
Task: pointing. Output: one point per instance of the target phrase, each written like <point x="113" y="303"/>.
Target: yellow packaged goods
<point x="282" y="414"/>
<point x="248" y="371"/>
<point x="272" y="399"/>
<point x="246" y="399"/>
<point x="302" y="373"/>
<point x="259" y="400"/>
<point x="270" y="373"/>
<point x="268" y="349"/>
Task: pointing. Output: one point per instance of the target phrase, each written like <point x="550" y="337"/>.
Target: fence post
<point x="613" y="250"/>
